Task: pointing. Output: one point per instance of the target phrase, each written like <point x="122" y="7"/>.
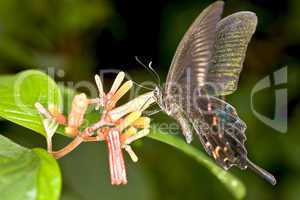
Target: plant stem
<point x="67" y="149"/>
<point x="49" y="145"/>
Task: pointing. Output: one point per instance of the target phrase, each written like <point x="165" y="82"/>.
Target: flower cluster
<point x="118" y="126"/>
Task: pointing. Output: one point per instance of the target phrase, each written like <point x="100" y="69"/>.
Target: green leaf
<point x="233" y="184"/>
<point x="19" y="93"/>
<point x="27" y="174"/>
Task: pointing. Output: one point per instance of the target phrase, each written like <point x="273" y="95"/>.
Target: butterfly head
<point x="158" y="95"/>
<point x="157" y="92"/>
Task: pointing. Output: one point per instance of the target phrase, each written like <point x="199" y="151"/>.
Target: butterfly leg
<point x="153" y="112"/>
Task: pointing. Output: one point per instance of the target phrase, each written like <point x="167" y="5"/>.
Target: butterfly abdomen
<point x="180" y="117"/>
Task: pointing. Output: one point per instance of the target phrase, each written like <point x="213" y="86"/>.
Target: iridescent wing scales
<point x="233" y="35"/>
<point x="220" y="130"/>
<point x="222" y="134"/>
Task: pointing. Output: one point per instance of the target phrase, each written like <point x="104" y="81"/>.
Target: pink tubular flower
<point x="116" y="159"/>
<point x="118" y="127"/>
<point x="125" y="121"/>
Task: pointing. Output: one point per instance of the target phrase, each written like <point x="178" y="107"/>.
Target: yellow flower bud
<point x="131" y="153"/>
<point x="138" y="135"/>
<point x="130" y="131"/>
<point x="99" y="86"/>
<point x="129" y="119"/>
<point x="142" y="122"/>
<point x="121" y="91"/>
<point x="139" y="103"/>
<point x="117" y="82"/>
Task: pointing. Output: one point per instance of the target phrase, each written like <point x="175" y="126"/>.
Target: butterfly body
<point x="205" y="67"/>
<point x="172" y="108"/>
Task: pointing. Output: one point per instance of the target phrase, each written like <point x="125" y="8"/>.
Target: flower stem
<point x="67" y="149"/>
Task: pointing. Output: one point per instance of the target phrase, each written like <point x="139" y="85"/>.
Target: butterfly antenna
<point x="260" y="171"/>
<point x="141" y="86"/>
<point x="149" y="68"/>
<point x="155" y="73"/>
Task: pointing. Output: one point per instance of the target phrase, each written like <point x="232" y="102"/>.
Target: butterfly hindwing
<point x="222" y="135"/>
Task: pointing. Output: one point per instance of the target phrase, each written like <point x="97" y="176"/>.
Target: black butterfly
<point x="206" y="67"/>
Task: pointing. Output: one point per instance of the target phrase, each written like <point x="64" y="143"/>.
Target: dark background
<point x="83" y="37"/>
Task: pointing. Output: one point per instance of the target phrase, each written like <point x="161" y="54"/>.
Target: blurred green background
<point x="82" y="37"/>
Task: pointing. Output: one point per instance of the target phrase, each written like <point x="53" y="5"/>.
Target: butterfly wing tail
<point x="260" y="171"/>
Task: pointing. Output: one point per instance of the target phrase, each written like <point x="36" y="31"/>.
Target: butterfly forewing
<point x="195" y="49"/>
